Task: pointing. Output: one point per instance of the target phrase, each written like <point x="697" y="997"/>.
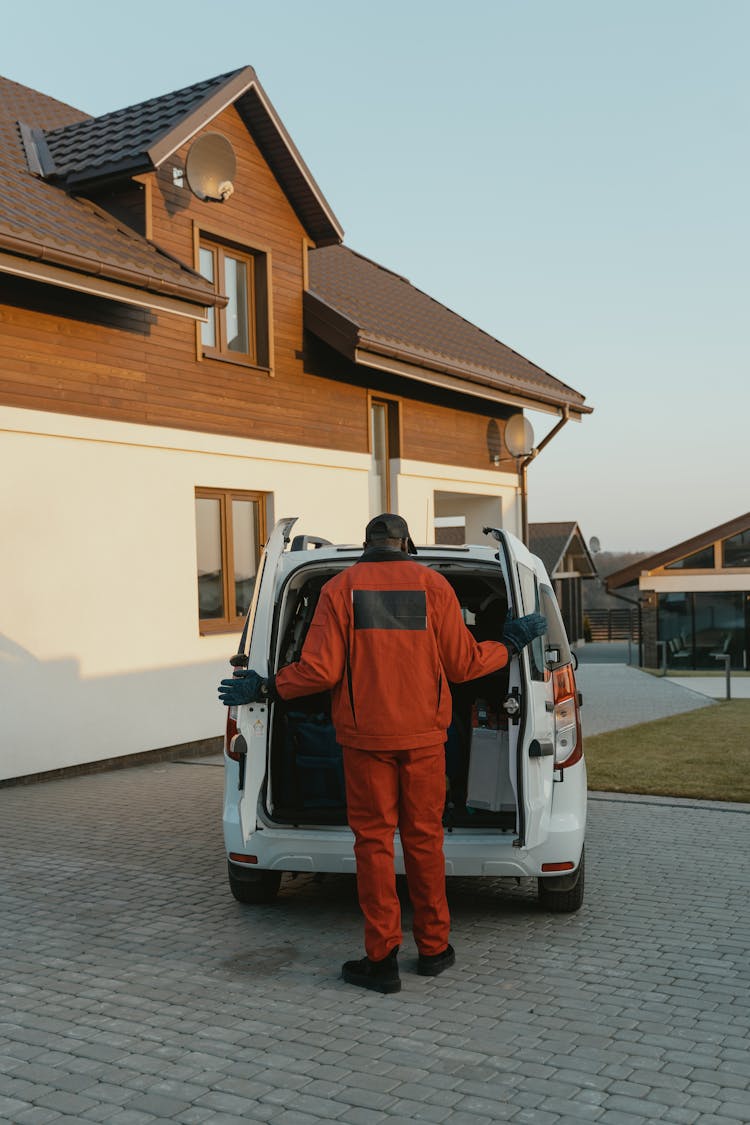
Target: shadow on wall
<point x="53" y="717"/>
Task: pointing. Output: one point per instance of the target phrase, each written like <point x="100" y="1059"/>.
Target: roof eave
<point x="460" y="384"/>
<point x="301" y="189"/>
<point x="631" y="574"/>
<point x="330" y="325"/>
<point x="627" y="577"/>
<point x="111" y="172"/>
<point x="345" y="337"/>
<point x="576" y="531"/>
<point x="325" y="229"/>
<point x="202" y="115"/>
<point x="546" y="402"/>
<point x="54" y="267"/>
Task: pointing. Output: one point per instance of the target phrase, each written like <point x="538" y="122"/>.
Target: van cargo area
<point x="305" y="779"/>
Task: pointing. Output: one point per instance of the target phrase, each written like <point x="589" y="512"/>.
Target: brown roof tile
<point x="48" y="150"/>
<point x="39" y="220"/>
<point x="381" y="312"/>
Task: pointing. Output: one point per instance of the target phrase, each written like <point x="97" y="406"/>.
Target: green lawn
<point x="703" y="754"/>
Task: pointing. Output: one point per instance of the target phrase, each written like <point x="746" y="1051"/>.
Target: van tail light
<point x="230" y="734"/>
<point x="568" y="737"/>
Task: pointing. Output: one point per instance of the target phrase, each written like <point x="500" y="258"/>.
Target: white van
<point x="515" y="772"/>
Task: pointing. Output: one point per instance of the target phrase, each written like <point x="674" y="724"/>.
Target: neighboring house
<point x="188" y="353"/>
<point x="695" y="599"/>
<point x="568" y="561"/>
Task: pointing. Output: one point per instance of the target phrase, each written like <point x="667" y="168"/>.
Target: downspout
<point x="523" y="465"/>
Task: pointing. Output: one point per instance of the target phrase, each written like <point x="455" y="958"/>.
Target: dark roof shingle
<point x="387" y="315"/>
<point x="40" y="221"/>
<point x="140" y="137"/>
<point x="90" y="148"/>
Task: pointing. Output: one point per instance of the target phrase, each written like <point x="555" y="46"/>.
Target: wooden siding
<point x="430" y="432"/>
<point x="435" y="425"/>
<point x="68" y="352"/>
<point x="134" y="366"/>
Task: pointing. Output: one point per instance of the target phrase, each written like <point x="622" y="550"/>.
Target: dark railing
<point x="612" y="624"/>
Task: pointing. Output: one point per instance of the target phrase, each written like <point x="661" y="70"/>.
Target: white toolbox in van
<point x="489" y="786"/>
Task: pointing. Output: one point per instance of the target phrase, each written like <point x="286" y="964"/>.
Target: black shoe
<point x="433" y="966"/>
<point x="380" y="976"/>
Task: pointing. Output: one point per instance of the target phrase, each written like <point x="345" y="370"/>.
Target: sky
<point x="569" y="175"/>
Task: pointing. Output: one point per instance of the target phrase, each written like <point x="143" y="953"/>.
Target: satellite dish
<point x="519" y="435"/>
<point x="210" y="168"/>
<point x="595" y="545"/>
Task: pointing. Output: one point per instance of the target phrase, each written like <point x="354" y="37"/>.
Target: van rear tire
<point x="261" y="888"/>
<point x="563" y="894"/>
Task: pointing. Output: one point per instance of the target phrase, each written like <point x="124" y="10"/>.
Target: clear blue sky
<point x="570" y="175"/>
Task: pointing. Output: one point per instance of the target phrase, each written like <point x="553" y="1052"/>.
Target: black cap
<point x="389" y="526"/>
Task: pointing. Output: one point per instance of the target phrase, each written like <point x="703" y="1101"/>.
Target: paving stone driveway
<point x="134" y="989"/>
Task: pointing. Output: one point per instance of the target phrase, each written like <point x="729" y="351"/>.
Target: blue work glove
<point x="521" y="631"/>
<point x="245" y="686"/>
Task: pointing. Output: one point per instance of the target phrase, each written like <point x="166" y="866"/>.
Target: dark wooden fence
<point x="612" y="624"/>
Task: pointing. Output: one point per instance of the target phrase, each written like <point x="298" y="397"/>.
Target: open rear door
<point x="252" y="719"/>
<point x="534" y="744"/>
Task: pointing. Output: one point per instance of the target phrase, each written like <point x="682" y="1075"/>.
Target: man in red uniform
<point x="386" y="637"/>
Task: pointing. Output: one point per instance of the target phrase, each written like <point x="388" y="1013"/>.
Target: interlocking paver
<point x="36" y="1115"/>
<point x="135" y="990"/>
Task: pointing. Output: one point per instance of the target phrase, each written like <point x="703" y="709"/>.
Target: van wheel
<point x="262" y="887"/>
<point x="563" y="894"/>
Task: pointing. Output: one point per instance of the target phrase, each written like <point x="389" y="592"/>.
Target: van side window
<point x="531" y="604"/>
<point x="556" y="638"/>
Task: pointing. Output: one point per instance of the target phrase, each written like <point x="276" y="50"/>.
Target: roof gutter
<point x="375" y="350"/>
<point x="25" y="258"/>
<point x="459" y="384"/>
<point x="39" y="270"/>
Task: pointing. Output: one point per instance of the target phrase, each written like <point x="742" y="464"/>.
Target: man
<point x="386" y="637"/>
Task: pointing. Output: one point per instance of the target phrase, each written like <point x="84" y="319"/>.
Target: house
<point x="695" y="599"/>
<point x="569" y="563"/>
<point x="188" y="353"/>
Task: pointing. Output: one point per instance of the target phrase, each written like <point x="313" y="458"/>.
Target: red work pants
<point x="386" y="789"/>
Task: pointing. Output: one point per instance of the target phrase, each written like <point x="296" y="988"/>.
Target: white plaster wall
<point x="100" y="654"/>
<point x="418" y="481"/>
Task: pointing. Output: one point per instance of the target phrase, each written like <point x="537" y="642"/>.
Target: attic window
<point x="239" y="332"/>
<point x="736" y="550"/>
<point x="701" y="560"/>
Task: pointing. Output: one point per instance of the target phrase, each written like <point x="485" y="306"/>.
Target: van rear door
<point x="535" y="745"/>
<point x="252" y="718"/>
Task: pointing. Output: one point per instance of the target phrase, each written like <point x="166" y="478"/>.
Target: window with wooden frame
<point x="384" y="449"/>
<point x="239" y="332"/>
<point x="230" y="532"/>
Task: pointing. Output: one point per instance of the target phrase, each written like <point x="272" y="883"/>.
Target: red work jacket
<point x="386" y="636"/>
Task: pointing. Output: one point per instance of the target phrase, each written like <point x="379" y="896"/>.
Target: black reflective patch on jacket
<point x="390" y="609"/>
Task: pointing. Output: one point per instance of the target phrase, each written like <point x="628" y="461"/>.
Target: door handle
<point x="539" y="749"/>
